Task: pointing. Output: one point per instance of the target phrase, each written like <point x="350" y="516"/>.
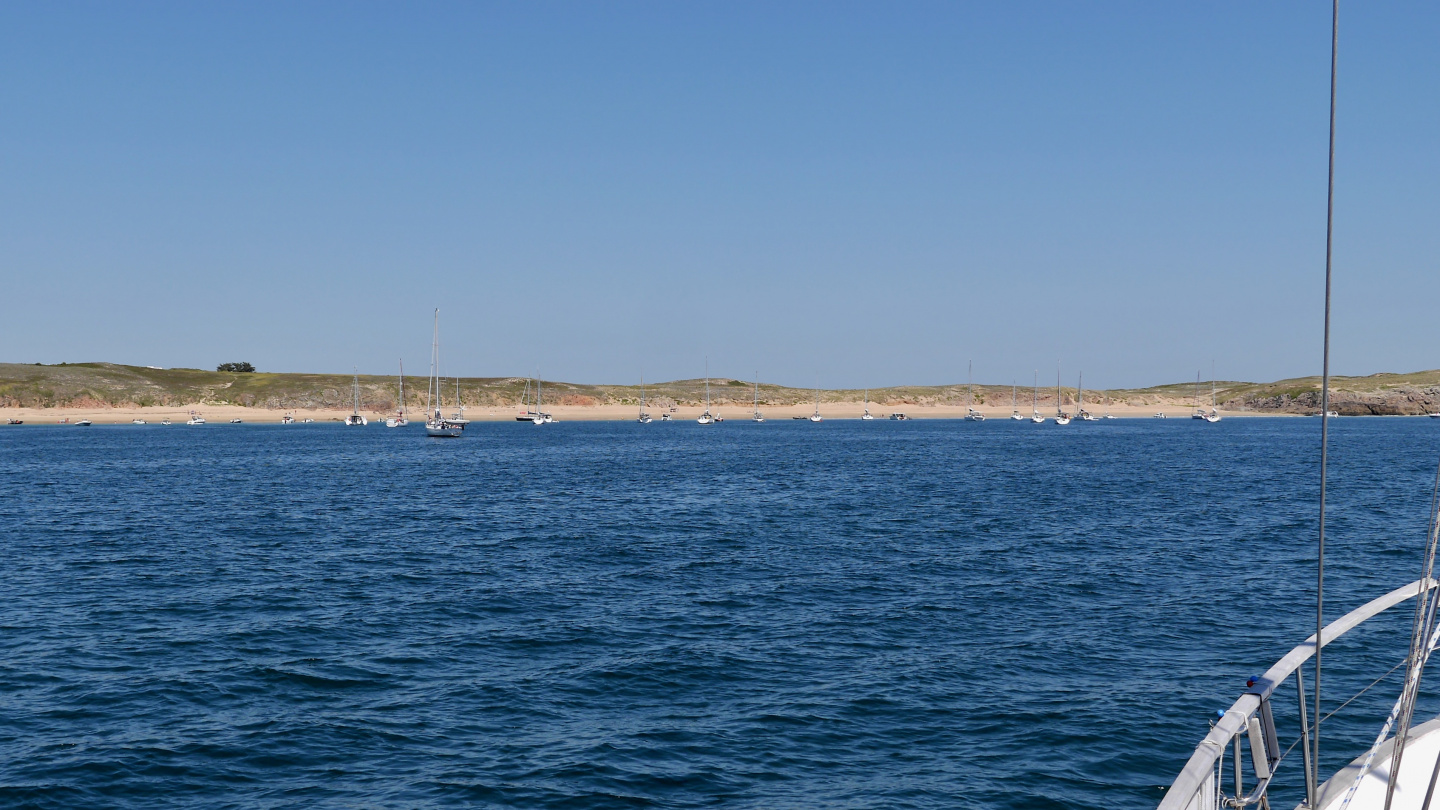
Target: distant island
<point x="100" y="387"/>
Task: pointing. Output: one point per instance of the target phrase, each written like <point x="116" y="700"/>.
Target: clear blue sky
<point x="873" y="193"/>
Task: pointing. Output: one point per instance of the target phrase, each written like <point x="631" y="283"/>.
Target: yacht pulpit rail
<point x="1249" y="724"/>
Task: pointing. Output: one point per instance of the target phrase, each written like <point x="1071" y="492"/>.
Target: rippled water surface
<point x="920" y="614"/>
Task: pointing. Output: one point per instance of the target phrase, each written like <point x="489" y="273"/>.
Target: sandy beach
<point x="222" y="414"/>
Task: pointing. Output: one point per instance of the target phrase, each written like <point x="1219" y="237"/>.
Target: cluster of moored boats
<point x="439" y="425"/>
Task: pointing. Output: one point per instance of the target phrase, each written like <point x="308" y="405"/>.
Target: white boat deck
<point x="1416" y="766"/>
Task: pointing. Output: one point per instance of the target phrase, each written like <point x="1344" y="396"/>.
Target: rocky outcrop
<point x="1399" y="401"/>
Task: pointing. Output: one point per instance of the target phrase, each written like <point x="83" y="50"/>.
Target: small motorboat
<point x="195" y="419"/>
<point x="307" y="421"/>
<point x="165" y="421"/>
<point x="1159" y="414"/>
<point x="287" y="419"/>
<point x="137" y="421"/>
<point x="665" y="417"/>
<point x="235" y="422"/>
<point x="898" y="417"/>
<point x="21" y="422"/>
<point x="83" y="423"/>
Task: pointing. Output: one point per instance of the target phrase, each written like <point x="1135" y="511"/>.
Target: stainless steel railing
<point x="1250" y="723"/>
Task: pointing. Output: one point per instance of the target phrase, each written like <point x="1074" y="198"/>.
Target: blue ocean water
<point x="846" y="614"/>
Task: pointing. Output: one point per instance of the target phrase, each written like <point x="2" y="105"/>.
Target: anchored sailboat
<point x="1214" y="415"/>
<point x="1061" y="417"/>
<point x="757" y="417"/>
<point x="436" y="425"/>
<point x="706" y="418"/>
<point x="458" y="418"/>
<point x="1014" y="404"/>
<point x="399" y="420"/>
<point x="644" y="417"/>
<point x="1085" y="416"/>
<point x="355" y="419"/>
<point x="1035" y="401"/>
<point x="816" y="417"/>
<point x="972" y="415"/>
<point x="866" y="414"/>
<point x="1200" y="412"/>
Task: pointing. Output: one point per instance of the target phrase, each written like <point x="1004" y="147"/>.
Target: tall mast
<point x="430" y="397"/>
<point x="757" y="392"/>
<point x="1080" y="393"/>
<point x="1057" y="389"/>
<point x="1325" y="402"/>
<point x="402" y="388"/>
<point x="355" y="391"/>
<point x="970" y="380"/>
<point x="642" y="393"/>
<point x="1035" y="394"/>
<point x="707" y="383"/>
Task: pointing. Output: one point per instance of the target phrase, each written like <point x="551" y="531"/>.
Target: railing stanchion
<point x="1239" y="781"/>
<point x="1305" y="733"/>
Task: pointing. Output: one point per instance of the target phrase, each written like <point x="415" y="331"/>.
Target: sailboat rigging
<point x="1061" y="417"/>
<point x="436" y="425"/>
<point x="399" y="420"/>
<point x="1085" y="416"/>
<point x="757" y="417"/>
<point x="1035" y="416"/>
<point x="643" y="418"/>
<point x="706" y="418"/>
<point x="972" y="415"/>
<point x="355" y="419"/>
<point x="1382" y="777"/>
